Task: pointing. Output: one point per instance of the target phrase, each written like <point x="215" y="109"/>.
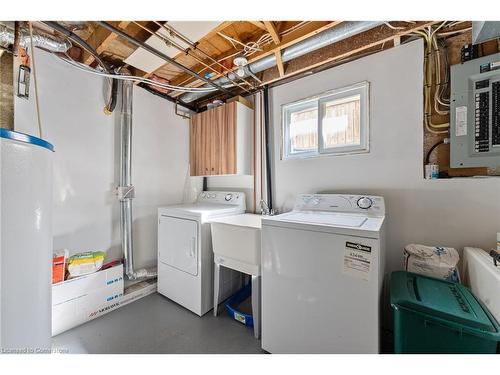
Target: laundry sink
<point x="236" y="242"/>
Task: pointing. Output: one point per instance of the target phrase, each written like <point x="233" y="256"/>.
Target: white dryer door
<point x="178" y="243"/>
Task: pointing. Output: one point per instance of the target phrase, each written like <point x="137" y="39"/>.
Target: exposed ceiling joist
<point x="259" y="24"/>
<point x="279" y="63"/>
<point x="310" y="29"/>
<point x="155" y="52"/>
<point x="100" y="40"/>
<point x="297" y="36"/>
<point x="271" y="28"/>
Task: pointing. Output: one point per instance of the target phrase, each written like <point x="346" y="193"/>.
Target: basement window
<point x="332" y="123"/>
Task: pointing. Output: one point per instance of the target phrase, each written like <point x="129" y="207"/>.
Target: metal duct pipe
<point x="126" y="190"/>
<point x="40" y="40"/>
<point x="323" y="39"/>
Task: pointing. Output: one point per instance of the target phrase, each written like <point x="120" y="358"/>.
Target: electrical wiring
<point x="433" y="147"/>
<point x="393" y="27"/>
<point x="194" y="48"/>
<point x="232" y="40"/>
<point x="447" y="33"/>
<point x="438" y="84"/>
<point x="265" y="39"/>
<point x="85" y="68"/>
<point x="428" y="36"/>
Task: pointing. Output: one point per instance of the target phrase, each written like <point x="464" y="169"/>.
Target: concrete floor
<point x="155" y="324"/>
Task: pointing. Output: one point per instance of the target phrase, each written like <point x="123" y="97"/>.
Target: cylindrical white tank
<point x="25" y="243"/>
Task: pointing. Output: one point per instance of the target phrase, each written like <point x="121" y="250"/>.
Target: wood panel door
<point x="213" y="141"/>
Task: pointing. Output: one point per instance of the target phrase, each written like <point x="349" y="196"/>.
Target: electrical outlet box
<point x="475" y="113"/>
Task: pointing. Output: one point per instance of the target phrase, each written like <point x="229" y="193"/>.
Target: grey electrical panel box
<point x="475" y="113"/>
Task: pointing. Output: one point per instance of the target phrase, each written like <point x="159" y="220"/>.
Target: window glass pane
<point x="303" y="130"/>
<point x="341" y="122"/>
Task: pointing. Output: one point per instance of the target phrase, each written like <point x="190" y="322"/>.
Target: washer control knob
<point x="364" y="203"/>
<point x="315" y="201"/>
<point x="203" y="195"/>
<point x="228" y="197"/>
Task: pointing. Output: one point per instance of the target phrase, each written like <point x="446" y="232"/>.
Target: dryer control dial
<point x="364" y="203"/>
<point x="228" y="197"/>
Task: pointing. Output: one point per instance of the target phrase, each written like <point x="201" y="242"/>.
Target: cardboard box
<point x="242" y="100"/>
<point x="84" y="298"/>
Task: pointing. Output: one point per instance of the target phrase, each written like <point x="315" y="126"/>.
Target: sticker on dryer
<point x="357" y="260"/>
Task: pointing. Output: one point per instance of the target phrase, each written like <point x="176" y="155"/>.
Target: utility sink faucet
<point x="264" y="208"/>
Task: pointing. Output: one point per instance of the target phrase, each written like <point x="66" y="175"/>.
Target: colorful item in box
<point x="85" y="263"/>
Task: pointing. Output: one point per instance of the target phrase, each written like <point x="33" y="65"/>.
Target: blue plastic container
<point x="236" y="299"/>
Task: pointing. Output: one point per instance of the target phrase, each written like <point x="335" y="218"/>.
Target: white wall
<point x="87" y="154"/>
<point x="455" y="212"/>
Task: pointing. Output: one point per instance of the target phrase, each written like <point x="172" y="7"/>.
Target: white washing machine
<point x="185" y="256"/>
<point x="322" y="275"/>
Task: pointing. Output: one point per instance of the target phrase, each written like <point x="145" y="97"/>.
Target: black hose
<point x="268" y="148"/>
<point x="427" y="157"/>
<point x="113" y="97"/>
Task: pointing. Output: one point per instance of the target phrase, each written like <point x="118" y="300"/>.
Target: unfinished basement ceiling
<point x="193" y="30"/>
<point x="203" y="53"/>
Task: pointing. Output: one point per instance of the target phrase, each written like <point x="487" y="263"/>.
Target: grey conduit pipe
<point x="125" y="189"/>
<point x="313" y="43"/>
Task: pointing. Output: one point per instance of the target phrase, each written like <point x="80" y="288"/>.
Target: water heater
<point x="25" y="243"/>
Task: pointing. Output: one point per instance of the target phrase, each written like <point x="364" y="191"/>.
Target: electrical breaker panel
<point x="475" y="113"/>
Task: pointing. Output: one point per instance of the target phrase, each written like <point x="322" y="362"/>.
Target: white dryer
<point x="322" y="274"/>
<point x="185" y="257"/>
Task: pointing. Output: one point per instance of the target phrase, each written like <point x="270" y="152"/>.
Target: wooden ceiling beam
<point x="279" y="63"/>
<point x="273" y="31"/>
<point x="100" y="40"/>
<point x="313" y="28"/>
<point x="342" y="50"/>
<point x="259" y="24"/>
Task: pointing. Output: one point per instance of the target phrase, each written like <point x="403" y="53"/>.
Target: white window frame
<point x="362" y="89"/>
<point x="287" y="112"/>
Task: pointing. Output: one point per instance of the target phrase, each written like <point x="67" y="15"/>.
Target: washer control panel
<point x="366" y="204"/>
<point x="224" y="197"/>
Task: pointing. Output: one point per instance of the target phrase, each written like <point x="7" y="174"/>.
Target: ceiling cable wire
<point x="196" y="48"/>
<point x="87" y="69"/>
<point x="169" y="41"/>
<point x="268" y="40"/>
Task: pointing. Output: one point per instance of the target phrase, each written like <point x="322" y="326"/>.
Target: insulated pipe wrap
<point x="39" y="40"/>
